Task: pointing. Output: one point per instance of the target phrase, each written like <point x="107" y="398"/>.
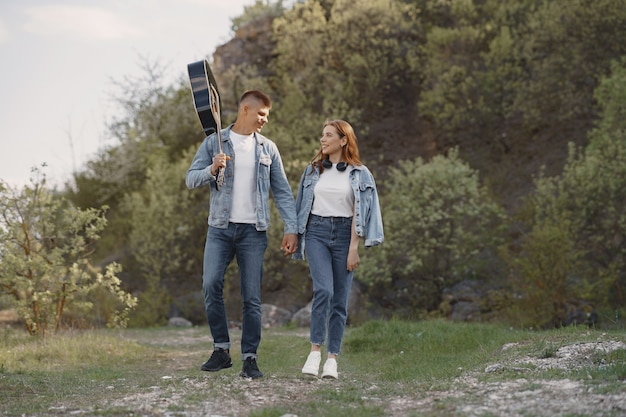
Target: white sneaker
<point x="330" y="369"/>
<point x="312" y="364"/>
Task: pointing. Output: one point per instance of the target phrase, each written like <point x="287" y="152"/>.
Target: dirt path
<point x="517" y="394"/>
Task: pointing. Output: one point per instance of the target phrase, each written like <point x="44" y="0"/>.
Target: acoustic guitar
<point x="202" y="79"/>
<point x="206" y="99"/>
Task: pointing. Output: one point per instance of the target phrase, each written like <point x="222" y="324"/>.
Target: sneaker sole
<point x="244" y="375"/>
<point x="228" y="365"/>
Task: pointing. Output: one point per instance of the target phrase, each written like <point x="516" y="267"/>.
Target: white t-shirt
<point x="243" y="209"/>
<point x="333" y="196"/>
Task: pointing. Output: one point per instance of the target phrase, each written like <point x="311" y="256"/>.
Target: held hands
<point x="289" y="244"/>
<point x="219" y="161"/>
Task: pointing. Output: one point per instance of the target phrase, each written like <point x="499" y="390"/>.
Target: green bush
<point x="440" y="227"/>
<point x="575" y="249"/>
<point x="45" y="246"/>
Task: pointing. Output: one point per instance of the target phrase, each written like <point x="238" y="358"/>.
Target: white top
<point x="243" y="209"/>
<point x="333" y="196"/>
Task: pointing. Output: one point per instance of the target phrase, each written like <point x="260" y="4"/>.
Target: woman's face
<point x="332" y="142"/>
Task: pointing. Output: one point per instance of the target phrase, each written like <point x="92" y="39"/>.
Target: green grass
<point x="156" y="371"/>
<point x="428" y="350"/>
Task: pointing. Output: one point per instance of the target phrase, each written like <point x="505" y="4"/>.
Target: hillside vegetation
<point x="494" y="128"/>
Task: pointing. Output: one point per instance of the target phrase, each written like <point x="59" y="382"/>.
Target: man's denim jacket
<point x="368" y="219"/>
<point x="270" y="174"/>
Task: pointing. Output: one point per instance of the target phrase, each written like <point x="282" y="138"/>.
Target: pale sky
<point x="58" y="59"/>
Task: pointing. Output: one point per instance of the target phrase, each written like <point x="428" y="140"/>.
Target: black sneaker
<point x="220" y="359"/>
<point x="250" y="369"/>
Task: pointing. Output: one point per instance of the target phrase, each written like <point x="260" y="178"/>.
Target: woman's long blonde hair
<point x="349" y="153"/>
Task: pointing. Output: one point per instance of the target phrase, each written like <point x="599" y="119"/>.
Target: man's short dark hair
<point x="259" y="95"/>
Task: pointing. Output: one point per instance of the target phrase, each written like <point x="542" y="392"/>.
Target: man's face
<point x="256" y="116"/>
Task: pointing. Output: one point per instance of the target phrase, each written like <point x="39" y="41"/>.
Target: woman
<point x="337" y="205"/>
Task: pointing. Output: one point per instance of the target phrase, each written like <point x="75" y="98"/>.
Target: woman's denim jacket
<point x="368" y="219"/>
<point x="270" y="175"/>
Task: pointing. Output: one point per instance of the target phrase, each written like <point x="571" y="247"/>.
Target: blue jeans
<point x="327" y="241"/>
<point x="222" y="245"/>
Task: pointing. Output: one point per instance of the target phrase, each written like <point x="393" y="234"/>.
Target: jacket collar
<point x="260" y="139"/>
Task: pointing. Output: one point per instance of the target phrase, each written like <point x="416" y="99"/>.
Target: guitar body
<point x="201" y="79"/>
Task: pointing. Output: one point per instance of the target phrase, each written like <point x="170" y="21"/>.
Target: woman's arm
<point x="353" y="252"/>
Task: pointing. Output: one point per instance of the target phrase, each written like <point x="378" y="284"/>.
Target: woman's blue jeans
<point x="327" y="241"/>
<point x="222" y="245"/>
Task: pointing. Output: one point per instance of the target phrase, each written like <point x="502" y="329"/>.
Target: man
<point x="238" y="221"/>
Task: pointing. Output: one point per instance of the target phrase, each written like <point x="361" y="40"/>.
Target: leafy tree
<point x="328" y="68"/>
<point x="260" y="8"/>
<point x="578" y="221"/>
<point x="415" y="78"/>
<point x="45" y="248"/>
<point x="578" y="227"/>
<point x="546" y="276"/>
<point x="503" y="78"/>
<point x="586" y="36"/>
<point x="154" y="121"/>
<point x="440" y="225"/>
<point x="452" y="94"/>
<point x="163" y="222"/>
<point x="610" y="95"/>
